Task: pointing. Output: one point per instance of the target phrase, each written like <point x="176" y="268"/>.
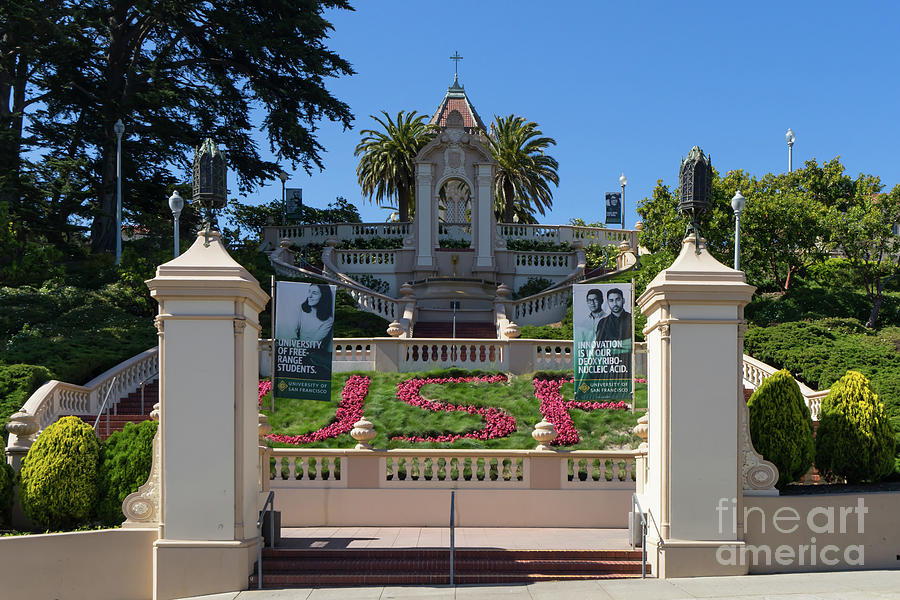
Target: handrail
<point x="452" y="534"/>
<point x="270" y="501"/>
<point x="659" y="544"/>
<point x="102" y="406"/>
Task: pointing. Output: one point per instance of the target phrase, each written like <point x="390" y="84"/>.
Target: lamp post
<point x="119" y="128"/>
<point x="789" y="137"/>
<point x="283" y="177"/>
<point x="623" y="181"/>
<point x="176" y="203"/>
<point x="737" y="204"/>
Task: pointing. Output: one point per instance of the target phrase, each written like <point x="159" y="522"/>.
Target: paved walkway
<point x="508" y="538"/>
<point x="847" y="585"/>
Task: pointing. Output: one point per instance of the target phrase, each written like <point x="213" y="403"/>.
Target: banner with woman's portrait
<point x="603" y="339"/>
<point x="304" y="328"/>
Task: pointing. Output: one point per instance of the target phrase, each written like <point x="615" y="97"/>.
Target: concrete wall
<point x="822" y="532"/>
<point x="113" y="564"/>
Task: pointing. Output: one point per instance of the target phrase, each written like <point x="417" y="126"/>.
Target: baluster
<point x="615" y="470"/>
<point x="277" y="468"/>
<point x="420" y="471"/>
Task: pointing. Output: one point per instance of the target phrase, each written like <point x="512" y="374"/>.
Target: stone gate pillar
<point x="695" y="320"/>
<point x="208" y="330"/>
<point x="484" y="224"/>
<point x="425" y="221"/>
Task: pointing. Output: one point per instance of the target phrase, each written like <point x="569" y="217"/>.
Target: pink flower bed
<point x="264" y="388"/>
<point x="556" y="410"/>
<point x="498" y="423"/>
<point x="349" y="411"/>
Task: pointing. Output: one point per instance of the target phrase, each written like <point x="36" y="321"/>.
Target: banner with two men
<point x="603" y="340"/>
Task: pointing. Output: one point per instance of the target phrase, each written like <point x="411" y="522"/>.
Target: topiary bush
<point x="125" y="460"/>
<point x="59" y="475"/>
<point x="781" y="426"/>
<point x="855" y="439"/>
<point x="7" y="487"/>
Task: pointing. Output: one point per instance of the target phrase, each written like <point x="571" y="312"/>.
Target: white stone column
<point x="483" y="222"/>
<point x="208" y="322"/>
<point x="425" y="218"/>
<point x="694" y="318"/>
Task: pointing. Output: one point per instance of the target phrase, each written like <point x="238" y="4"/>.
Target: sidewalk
<point x="844" y="585"/>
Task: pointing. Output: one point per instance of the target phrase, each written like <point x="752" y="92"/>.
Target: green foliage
<point x="781" y="427"/>
<point x="601" y="256"/>
<point x="372" y="282"/>
<point x="7" y="493"/>
<point x="855" y="440"/>
<point x="386" y="166"/>
<point x="372" y="243"/>
<point x="454" y="244"/>
<point x="532" y="245"/>
<point x="125" y="461"/>
<point x="525" y="169"/>
<point x="349" y="321"/>
<point x="248" y="220"/>
<point x="17" y="383"/>
<point x="59" y="475"/>
<point x="533" y="286"/>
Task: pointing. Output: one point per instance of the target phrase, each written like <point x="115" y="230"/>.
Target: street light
<point x="623" y="181"/>
<point x="737" y="204"/>
<point x="176" y="203"/>
<point x="789" y="138"/>
<point x="283" y="177"/>
<point x="119" y="128"/>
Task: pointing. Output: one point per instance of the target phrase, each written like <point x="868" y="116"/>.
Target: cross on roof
<point x="457" y="58"/>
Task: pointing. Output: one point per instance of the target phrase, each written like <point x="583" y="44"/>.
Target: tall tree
<point x="524" y="170"/>
<point x="863" y="229"/>
<point x="176" y="73"/>
<point x="386" y="167"/>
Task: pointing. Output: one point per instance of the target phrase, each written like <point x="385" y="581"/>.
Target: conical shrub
<point x="781" y="427"/>
<point x="855" y="440"/>
<point x="59" y="475"/>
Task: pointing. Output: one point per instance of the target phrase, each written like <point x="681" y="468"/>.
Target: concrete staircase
<point x="464" y="329"/>
<point x="417" y="566"/>
<point x="128" y="410"/>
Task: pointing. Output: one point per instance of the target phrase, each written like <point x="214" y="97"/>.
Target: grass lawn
<point x="598" y="430"/>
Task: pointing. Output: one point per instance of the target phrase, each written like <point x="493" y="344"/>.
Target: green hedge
<point x="125" y="461"/>
<point x="17" y="383"/>
<point x="7" y="489"/>
<point x="855" y="439"/>
<point x="59" y="475"/>
<point x="781" y="427"/>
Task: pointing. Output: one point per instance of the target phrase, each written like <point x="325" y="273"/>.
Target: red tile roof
<point x="456" y="99"/>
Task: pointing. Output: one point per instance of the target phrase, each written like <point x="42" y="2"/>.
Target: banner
<point x="603" y="339"/>
<point x="304" y="327"/>
<point x="293" y="201"/>
<point x="613" y="208"/>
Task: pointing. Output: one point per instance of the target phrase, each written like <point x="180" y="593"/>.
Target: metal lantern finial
<point x="210" y="186"/>
<point x="695" y="181"/>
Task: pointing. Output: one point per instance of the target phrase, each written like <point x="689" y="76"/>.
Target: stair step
<point x="362" y="579"/>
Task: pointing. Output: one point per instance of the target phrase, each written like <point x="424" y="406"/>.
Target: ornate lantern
<point x="695" y="181"/>
<point x="210" y="187"/>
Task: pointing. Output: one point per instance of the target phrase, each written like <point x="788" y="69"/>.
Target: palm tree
<point x="524" y="172"/>
<point x="386" y="168"/>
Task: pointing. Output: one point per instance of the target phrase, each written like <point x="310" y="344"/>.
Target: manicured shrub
<point x="59" y="475"/>
<point x="781" y="427"/>
<point x="125" y="461"/>
<point x="855" y="440"/>
<point x="7" y="485"/>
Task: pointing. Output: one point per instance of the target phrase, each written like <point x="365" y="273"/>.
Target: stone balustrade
<point x="544" y="263"/>
<point x="299" y="235"/>
<point x="426" y="469"/>
<point x="354" y="258"/>
<point x="548" y="306"/>
<point x="755" y="371"/>
<point x="561" y="234"/>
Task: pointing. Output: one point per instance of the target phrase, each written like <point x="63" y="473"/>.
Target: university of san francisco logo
<point x="584" y="387"/>
<point x="282" y="385"/>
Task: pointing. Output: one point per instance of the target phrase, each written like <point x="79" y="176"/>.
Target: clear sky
<point x="628" y="86"/>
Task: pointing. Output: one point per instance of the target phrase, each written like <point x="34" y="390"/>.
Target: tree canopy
<point x="174" y="73"/>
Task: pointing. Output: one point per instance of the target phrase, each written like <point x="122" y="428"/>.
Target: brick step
<point x="300" y="566"/>
<point x="274" y="581"/>
<point x="431" y="566"/>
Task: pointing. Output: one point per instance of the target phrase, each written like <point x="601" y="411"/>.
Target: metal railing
<point x="659" y="544"/>
<point x="104" y="406"/>
<point x="270" y="502"/>
<point x="452" y="534"/>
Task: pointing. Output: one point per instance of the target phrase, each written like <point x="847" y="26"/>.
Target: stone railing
<point x="755" y="371"/>
<point x="299" y="235"/>
<point x="560" y="234"/>
<point x="413" y="469"/>
<point x="544" y="263"/>
<point x="548" y="306"/>
<point x="56" y="399"/>
<point x="347" y="259"/>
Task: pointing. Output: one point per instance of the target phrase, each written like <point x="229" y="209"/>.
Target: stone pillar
<point x="425" y="219"/>
<point x="208" y="329"/>
<point x="695" y="313"/>
<point x="483" y="221"/>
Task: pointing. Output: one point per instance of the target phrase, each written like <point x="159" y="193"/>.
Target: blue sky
<point x="628" y="86"/>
